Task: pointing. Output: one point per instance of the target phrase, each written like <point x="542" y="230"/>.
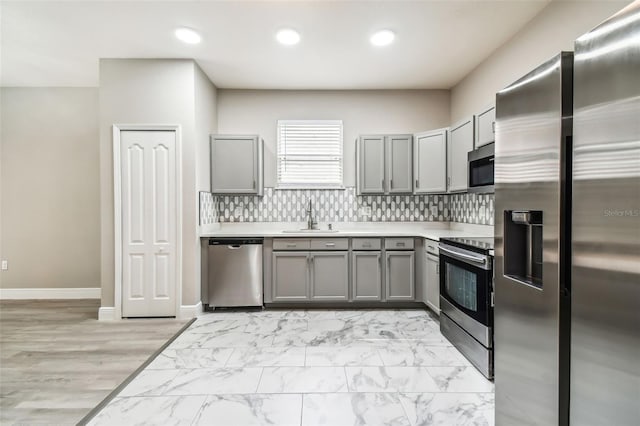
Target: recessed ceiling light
<point x="187" y="35"/>
<point x="288" y="36"/>
<point x="382" y="38"/>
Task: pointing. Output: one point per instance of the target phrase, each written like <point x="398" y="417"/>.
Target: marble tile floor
<point x="299" y="367"/>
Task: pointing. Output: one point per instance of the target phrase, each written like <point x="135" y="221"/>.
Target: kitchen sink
<point x="311" y="231"/>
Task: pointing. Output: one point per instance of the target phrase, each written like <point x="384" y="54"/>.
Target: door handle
<point x="473" y="259"/>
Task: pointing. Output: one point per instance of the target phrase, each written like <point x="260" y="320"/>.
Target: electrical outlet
<point x="5" y="265"/>
<point x="434" y="211"/>
<point x="238" y="210"/>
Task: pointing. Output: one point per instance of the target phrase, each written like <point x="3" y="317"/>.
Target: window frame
<point x="307" y="186"/>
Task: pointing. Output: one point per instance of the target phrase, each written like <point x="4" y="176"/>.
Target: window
<point x="309" y="153"/>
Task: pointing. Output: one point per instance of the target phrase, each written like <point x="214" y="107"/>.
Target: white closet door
<point x="148" y="164"/>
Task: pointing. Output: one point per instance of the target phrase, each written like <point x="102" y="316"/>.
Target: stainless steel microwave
<point x="481" y="169"/>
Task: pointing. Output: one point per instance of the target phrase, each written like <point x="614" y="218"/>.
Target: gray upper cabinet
<point x="370" y="165"/>
<point x="485" y="127"/>
<point x="400" y="284"/>
<point x="399" y="164"/>
<point x="290" y="276"/>
<point x="236" y="164"/>
<point x="330" y="276"/>
<point x="430" y="162"/>
<point x="366" y="280"/>
<point x="460" y="143"/>
<point x="384" y="164"/>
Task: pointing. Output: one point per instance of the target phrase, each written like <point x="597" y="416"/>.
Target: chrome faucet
<point x="311" y="224"/>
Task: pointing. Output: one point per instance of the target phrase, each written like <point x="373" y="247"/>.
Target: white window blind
<point x="309" y="153"/>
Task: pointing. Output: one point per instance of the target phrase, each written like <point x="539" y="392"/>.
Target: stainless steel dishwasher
<point x="235" y="272"/>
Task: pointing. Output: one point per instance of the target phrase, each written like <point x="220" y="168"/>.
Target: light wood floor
<point x="57" y="361"/>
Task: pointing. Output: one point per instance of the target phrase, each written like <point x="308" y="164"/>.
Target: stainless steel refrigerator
<point x="567" y="235"/>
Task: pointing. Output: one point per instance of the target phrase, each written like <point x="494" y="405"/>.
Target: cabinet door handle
<point x="437" y="269"/>
<point x="390" y="183"/>
<point x="399" y="244"/>
<point x="292" y="245"/>
<point x="448" y="181"/>
<point x="254" y="184"/>
<point x="366" y="245"/>
<point x="417" y="184"/>
<point x="383" y="184"/>
<point x="330" y="244"/>
<point x="493" y="126"/>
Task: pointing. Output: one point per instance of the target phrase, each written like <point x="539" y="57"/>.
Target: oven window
<point x="462" y="286"/>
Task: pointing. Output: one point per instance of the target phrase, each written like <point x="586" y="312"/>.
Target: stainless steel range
<point x="466" y="298"/>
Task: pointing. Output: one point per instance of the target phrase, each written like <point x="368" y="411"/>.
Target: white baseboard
<point x="50" y="293"/>
<point x="190" y="311"/>
<point x="107" y="313"/>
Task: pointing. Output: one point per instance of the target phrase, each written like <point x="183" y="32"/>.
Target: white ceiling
<point x="437" y="43"/>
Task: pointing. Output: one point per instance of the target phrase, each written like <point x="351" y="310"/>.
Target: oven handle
<point x="461" y="256"/>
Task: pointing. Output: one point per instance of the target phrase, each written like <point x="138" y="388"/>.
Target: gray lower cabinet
<point x="330" y="275"/>
<point x="366" y="280"/>
<point x="432" y="282"/>
<point x="290" y="281"/>
<point x="399" y="282"/>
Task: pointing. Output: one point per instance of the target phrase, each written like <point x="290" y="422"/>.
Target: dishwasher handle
<point x="235" y="243"/>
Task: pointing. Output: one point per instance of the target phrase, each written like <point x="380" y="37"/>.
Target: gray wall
<point x="154" y="91"/>
<point x="554" y="29"/>
<point x="49" y="184"/>
<point x="362" y="112"/>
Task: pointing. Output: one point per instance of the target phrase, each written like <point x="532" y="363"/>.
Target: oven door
<point x="466" y="285"/>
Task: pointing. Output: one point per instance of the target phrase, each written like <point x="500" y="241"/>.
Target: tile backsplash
<point x="345" y="206"/>
<point x="471" y="208"/>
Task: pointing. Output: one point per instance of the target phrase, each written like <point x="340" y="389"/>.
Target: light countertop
<point x="430" y="230"/>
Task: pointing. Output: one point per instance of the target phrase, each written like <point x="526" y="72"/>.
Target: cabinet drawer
<point x="366" y="244"/>
<point x="330" y="244"/>
<point x="293" y="244"/>
<point x="431" y="247"/>
<point x="398" y="243"/>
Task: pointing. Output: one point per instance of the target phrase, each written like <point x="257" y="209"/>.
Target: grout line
<point x="85" y="420"/>
<point x="259" y="380"/>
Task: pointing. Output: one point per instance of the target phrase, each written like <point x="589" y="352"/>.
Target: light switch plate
<point x="5" y="265"/>
<point x="238" y="210"/>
